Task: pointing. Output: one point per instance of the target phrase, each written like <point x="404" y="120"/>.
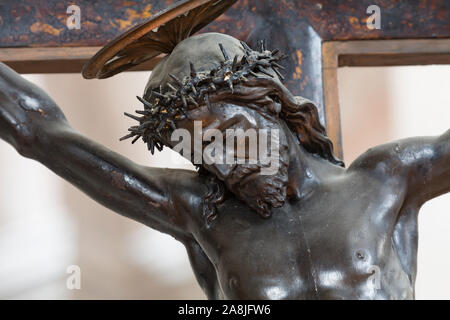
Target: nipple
<point x="360" y="255"/>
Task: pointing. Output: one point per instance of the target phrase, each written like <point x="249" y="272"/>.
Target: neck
<point x="306" y="171"/>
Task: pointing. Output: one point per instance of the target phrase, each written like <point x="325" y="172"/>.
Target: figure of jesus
<point x="313" y="229"/>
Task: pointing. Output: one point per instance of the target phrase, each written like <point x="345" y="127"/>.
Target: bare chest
<point x="319" y="251"/>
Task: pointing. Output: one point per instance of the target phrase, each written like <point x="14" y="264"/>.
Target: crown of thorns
<point x="171" y="104"/>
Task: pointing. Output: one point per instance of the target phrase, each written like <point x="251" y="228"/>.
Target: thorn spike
<point x="276" y="65"/>
<point x="159" y="95"/>
<point x="192" y="100"/>
<point x="261" y="70"/>
<point x="151" y="146"/>
<point x="279" y="74"/>
<point x="208" y="103"/>
<point x="193" y="73"/>
<point x="144" y="102"/>
<point x="246" y="47"/>
<point x="193" y="89"/>
<point x="243" y="60"/>
<point x="136" y="139"/>
<point x="183" y="99"/>
<point x="171" y="87"/>
<point x="132" y="116"/>
<point x="176" y="79"/>
<point x="160" y="126"/>
<point x="234" y="65"/>
<point x="261" y="46"/>
<point x="128" y="136"/>
<point x="263" y="63"/>
<point x="144" y="125"/>
<point x="254" y="74"/>
<point x="224" y="52"/>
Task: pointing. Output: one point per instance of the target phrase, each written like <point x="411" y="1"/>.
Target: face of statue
<point x="260" y="191"/>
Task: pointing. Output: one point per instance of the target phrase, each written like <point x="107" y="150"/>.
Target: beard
<point x="259" y="191"/>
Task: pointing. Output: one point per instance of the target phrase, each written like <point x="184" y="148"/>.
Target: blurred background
<point x="47" y="225"/>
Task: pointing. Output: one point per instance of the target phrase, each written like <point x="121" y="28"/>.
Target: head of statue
<point x="217" y="84"/>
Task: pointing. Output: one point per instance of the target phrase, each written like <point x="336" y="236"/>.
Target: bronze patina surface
<point x="311" y="230"/>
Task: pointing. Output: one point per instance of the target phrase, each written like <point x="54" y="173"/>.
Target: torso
<point x="343" y="241"/>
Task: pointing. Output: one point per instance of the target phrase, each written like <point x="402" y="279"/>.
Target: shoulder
<point x="383" y="160"/>
<point x="405" y="154"/>
<point x="188" y="191"/>
<point x="182" y="197"/>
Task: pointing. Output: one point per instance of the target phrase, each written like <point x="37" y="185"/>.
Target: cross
<point x="318" y="37"/>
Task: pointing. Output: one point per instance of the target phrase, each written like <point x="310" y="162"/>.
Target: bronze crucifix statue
<point x="312" y="229"/>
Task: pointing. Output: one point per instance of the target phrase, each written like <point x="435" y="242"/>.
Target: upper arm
<point x="428" y="162"/>
<point x="423" y="163"/>
<point x="34" y="124"/>
<point x="159" y="198"/>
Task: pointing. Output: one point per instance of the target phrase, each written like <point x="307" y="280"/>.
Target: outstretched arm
<point x="422" y="162"/>
<point x="32" y="122"/>
<point x="427" y="160"/>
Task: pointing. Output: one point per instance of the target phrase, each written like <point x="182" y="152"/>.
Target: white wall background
<point x="47" y="225"/>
